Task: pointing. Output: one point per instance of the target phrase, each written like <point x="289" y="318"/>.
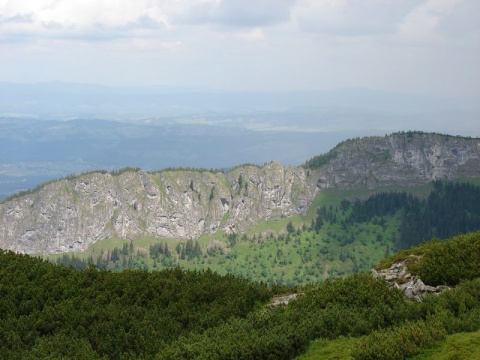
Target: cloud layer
<point x="408" y="45"/>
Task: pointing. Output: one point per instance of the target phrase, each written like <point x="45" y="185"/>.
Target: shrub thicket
<point x="449" y="262"/>
<point x="398" y="343"/>
<point x="111" y="314"/>
<point x="49" y="311"/>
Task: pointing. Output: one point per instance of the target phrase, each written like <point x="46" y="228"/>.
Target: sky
<point x="414" y="46"/>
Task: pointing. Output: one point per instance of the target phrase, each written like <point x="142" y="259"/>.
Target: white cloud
<point x="463" y="19"/>
<point x="352" y="17"/>
<point x="254" y="34"/>
<point x="239" y="13"/>
<point x="422" y="22"/>
<point x="73" y="18"/>
<point x="146" y="44"/>
<point x="400" y="45"/>
<point x="110" y="18"/>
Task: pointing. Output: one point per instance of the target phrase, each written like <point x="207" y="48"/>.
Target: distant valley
<point x="51" y="130"/>
<point x="35" y="151"/>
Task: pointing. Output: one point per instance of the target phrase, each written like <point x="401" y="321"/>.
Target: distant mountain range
<point x="58" y="100"/>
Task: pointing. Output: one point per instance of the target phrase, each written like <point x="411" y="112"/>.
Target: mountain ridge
<point x="72" y="213"/>
<point x="411" y="158"/>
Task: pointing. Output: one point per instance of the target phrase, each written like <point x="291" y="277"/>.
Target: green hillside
<point x="344" y="232"/>
<point x="49" y="311"/>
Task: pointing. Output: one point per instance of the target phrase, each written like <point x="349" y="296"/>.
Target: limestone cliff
<point x="71" y="214"/>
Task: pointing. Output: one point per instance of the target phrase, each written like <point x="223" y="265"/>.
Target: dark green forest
<point x="449" y="209"/>
<point x="52" y="311"/>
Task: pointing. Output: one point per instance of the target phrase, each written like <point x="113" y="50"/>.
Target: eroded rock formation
<point x="69" y="215"/>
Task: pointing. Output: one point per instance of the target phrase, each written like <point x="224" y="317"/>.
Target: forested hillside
<point x="345" y="233"/>
<point x="53" y="311"/>
<point x="450" y="209"/>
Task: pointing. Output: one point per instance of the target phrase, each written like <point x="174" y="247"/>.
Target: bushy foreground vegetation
<point x="46" y="308"/>
<point x="452" y="312"/>
<point x="49" y="311"/>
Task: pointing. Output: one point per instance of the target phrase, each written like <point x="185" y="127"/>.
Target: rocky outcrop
<point x="407" y="159"/>
<point x="399" y="277"/>
<point x="282" y="300"/>
<point x="71" y="214"/>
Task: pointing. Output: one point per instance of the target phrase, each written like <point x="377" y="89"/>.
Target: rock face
<point x="400" y="159"/>
<point x="70" y="214"/>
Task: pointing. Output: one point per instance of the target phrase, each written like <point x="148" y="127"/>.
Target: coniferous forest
<point x="52" y="311"/>
<point x="449" y="209"/>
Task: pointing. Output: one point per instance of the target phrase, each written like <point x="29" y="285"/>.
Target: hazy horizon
<point x="419" y="47"/>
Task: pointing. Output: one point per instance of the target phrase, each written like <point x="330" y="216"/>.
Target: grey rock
<point x="409" y="292"/>
<point x="410" y="284"/>
<point x="282" y="300"/>
<point x="401" y="159"/>
<point x="70" y="215"/>
<point x="419" y="286"/>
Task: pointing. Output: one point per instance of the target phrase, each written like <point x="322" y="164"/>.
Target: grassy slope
<point x="306" y="258"/>
<point x="462" y="346"/>
<point x="303" y="258"/>
<point x="338" y="349"/>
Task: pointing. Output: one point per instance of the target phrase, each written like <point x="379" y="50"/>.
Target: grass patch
<point x="338" y="349"/>
<point x="462" y="346"/>
<point x="276" y="226"/>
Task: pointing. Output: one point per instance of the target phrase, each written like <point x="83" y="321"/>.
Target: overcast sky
<point x="414" y="46"/>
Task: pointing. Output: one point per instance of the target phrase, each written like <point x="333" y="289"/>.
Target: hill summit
<point x="411" y="158"/>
